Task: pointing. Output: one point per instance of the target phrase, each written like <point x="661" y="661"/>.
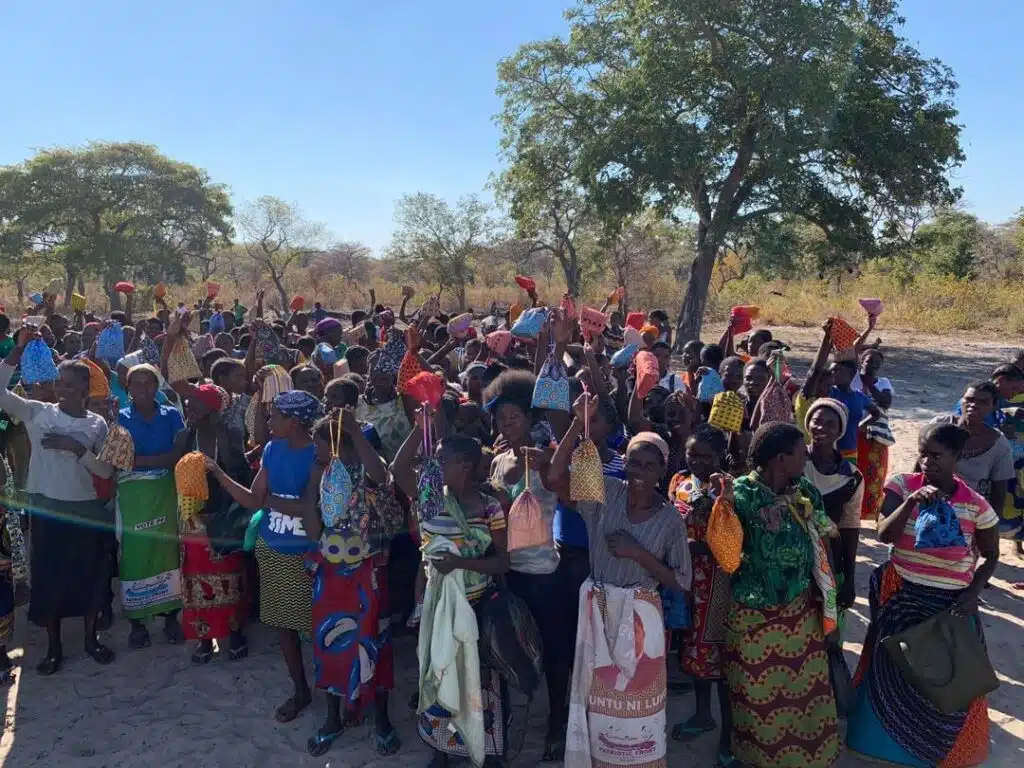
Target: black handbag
<point x="945" y="661"/>
<point x="842" y="681"/>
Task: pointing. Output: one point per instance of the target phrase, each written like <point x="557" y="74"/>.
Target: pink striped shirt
<point x="942" y="567"/>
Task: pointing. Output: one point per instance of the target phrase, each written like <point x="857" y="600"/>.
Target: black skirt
<point x="71" y="543"/>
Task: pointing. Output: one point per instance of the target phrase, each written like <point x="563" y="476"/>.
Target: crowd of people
<point x="570" y="505"/>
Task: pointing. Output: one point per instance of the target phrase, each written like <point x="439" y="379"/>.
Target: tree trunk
<point x="81" y="284"/>
<point x="460" y="295"/>
<point x="691" y="316"/>
<point x="19" y="283"/>
<point x="280" y="290"/>
<point x="114" y="297"/>
<point x="71" y="277"/>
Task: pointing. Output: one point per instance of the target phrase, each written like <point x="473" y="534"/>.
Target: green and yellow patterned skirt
<point x="783" y="708"/>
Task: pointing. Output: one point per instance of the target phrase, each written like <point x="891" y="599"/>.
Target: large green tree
<point x="437" y="242"/>
<point x="113" y="211"/>
<point x="741" y="111"/>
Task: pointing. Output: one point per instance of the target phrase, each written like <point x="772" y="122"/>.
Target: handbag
<point x="460" y="325"/>
<point x="37" y="364"/>
<point x="391" y="354"/>
<point x="498" y="342"/>
<point x="844" y="335"/>
<point x="586" y="473"/>
<point x="430" y="485"/>
<point x="336" y="482"/>
<point x="676" y="609"/>
<point x="937" y="526"/>
<point x="526" y="527"/>
<point x="842" y="681"/>
<point x="725" y="535"/>
<point x="181" y="363"/>
<point x="646" y="373"/>
<point x="880" y="431"/>
<point x="409" y="368"/>
<point x="530" y="323"/>
<point x="110" y="343"/>
<point x="118" y="449"/>
<point x="726" y="412"/>
<point x="528" y="284"/>
<point x="624" y="357"/>
<point x="592" y="322"/>
<point x="551" y="391"/>
<point x="710" y="386"/>
<point x="945" y="661"/>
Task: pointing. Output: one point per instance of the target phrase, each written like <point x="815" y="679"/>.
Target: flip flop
<point x="49" y="666"/>
<point x="291" y="709"/>
<point x="321" y="742"/>
<point x="239" y="652"/>
<point x="173" y="633"/>
<point x="686" y="732"/>
<point x="100" y="654"/>
<point x="389" y="744"/>
<point x="202" y="655"/>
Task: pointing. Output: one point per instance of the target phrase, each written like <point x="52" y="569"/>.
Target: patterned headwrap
<point x="650" y="438"/>
<point x="213" y="397"/>
<point x="299" y="405"/>
<point x="99" y="387"/>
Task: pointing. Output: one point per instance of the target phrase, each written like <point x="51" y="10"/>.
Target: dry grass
<point x="929" y="304"/>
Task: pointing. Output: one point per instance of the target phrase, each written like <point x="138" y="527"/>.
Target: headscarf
<point x="652" y="439"/>
<point x="837" y="407"/>
<point x="327" y="325"/>
<point x="150" y="369"/>
<point x="202" y="345"/>
<point x="99" y="386"/>
<point x="299" y="405"/>
<point x="213" y="397"/>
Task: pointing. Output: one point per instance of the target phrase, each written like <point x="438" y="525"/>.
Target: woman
<point x="783" y="611"/>
<point x="842" y="492"/>
<point x="213" y="566"/>
<point x="637" y="542"/>
<point x="986" y="461"/>
<point x="533" y="573"/>
<point x="474" y="523"/>
<point x="873" y="447"/>
<point x="281" y="545"/>
<point x="70" y="542"/>
<point x="700" y="655"/>
<point x="149" y="566"/>
<point x="891" y="721"/>
<point x="387" y="411"/>
<point x="352" y="657"/>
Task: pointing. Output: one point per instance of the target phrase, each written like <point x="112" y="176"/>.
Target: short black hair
<point x="985" y="386"/>
<point x="349" y="390"/>
<point x="357" y="317"/>
<point x="711" y="356"/>
<point x="5" y="323"/>
<point x="771" y="440"/>
<point x="760" y="336"/>
<point x="78" y="368"/>
<point x="1006" y="371"/>
<point x="715" y="439"/>
<point x="660" y="345"/>
<point x="211" y="356"/>
<point x="951" y="436"/>
<point x="223" y="367"/>
<point x="466" y="448"/>
<point x="658" y="314"/>
<point x="355" y="354"/>
<point x="512" y="388"/>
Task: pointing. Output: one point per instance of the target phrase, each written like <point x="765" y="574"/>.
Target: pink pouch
<point x="872" y="306"/>
<point x="498" y="342"/>
<point x="646" y="373"/>
<point x="592" y="322"/>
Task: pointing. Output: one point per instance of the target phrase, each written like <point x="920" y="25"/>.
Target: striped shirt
<point x="942" y="567"/>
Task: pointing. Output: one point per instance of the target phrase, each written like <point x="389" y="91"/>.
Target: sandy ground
<point x="153" y="708"/>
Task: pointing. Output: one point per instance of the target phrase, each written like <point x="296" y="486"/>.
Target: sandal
<point x="100" y="654"/>
<point x="50" y="665"/>
<point x="202" y="654"/>
<point x="239" y="648"/>
<point x="686" y="732"/>
<point x="291" y="708"/>
<point x="320" y="743"/>
<point x="138" y="638"/>
<point x="388" y="744"/>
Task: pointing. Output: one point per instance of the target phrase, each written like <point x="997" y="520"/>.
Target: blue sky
<point x="342" y="107"/>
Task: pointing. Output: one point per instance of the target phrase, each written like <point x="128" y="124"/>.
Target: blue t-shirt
<point x="287" y="475"/>
<point x="857" y="403"/>
<point x="568" y="527"/>
<point x="152" y="437"/>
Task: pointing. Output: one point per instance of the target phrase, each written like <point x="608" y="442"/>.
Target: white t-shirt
<point x="882" y="385"/>
<point x="673" y="382"/>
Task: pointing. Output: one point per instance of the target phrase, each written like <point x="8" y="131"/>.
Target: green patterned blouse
<point x="778" y="555"/>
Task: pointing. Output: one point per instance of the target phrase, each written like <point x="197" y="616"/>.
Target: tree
<point x="436" y="242"/>
<point x="949" y="244"/>
<point x="743" y="111"/>
<point x="277" y="238"/>
<point x="349" y="261"/>
<point x="114" y="211"/>
<point x="642" y="249"/>
<point x="546" y="203"/>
